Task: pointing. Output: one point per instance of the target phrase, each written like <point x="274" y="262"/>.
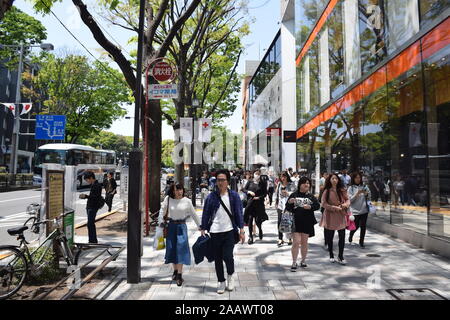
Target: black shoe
<point x="260" y="235"/>
<point x="174" y="275"/>
<point x="303" y="265"/>
<point x="280" y="243"/>
<point x="290" y="242"/>
<point x="362" y="246"/>
<point x="294" y="267"/>
<point x="179" y="280"/>
<point x="250" y="241"/>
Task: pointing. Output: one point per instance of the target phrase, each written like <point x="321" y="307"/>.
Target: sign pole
<point x="16" y="128"/>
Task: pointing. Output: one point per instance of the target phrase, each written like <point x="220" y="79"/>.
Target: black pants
<point x="108" y="200"/>
<point x="250" y="227"/>
<point x="329" y="234"/>
<point x="92" y="232"/>
<point x="270" y="195"/>
<point x="360" y="221"/>
<point x="280" y="235"/>
<point x="223" y="245"/>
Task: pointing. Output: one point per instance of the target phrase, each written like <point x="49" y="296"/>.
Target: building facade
<point x="27" y="143"/>
<point x="373" y="95"/>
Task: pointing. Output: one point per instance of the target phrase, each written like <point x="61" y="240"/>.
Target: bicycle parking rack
<point x="83" y="247"/>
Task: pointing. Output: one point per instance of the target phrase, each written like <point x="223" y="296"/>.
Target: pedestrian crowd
<point x="238" y="199"/>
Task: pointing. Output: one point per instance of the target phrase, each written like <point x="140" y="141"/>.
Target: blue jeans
<point x="92" y="213"/>
<point x="223" y="245"/>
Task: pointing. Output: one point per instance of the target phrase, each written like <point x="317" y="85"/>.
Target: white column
<point x="351" y="41"/>
<point x="288" y="91"/>
<point x="324" y="67"/>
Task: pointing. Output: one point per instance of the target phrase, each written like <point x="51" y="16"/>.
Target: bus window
<point x="104" y="155"/>
<point x="78" y="157"/>
<point x="51" y="156"/>
<point x="87" y="157"/>
<point x="110" y="158"/>
<point x="96" y="157"/>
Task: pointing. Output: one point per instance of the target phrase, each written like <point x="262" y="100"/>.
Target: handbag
<point x="371" y="208"/>
<point x="166" y="225"/>
<point x="237" y="237"/>
<point x="350" y="223"/>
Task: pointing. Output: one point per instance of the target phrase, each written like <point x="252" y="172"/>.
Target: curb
<point x="100" y="217"/>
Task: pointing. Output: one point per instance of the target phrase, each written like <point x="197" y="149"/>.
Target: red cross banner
<point x="10" y="106"/>
<point x="26" y="107"/>
<point x="205" y="129"/>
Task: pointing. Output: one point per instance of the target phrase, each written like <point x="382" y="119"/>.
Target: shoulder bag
<point x="237" y="237"/>
<point x="166" y="225"/>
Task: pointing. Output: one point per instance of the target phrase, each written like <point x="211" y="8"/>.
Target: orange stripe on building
<point x="323" y="18"/>
<point x="437" y="39"/>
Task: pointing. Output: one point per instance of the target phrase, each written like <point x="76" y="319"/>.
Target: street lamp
<point x="16" y="127"/>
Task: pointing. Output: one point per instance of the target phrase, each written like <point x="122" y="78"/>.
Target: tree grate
<point x="415" y="294"/>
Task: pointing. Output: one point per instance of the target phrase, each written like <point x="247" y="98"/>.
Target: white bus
<point x="85" y="158"/>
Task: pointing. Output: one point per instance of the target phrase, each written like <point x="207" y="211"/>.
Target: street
<point x="14" y="205"/>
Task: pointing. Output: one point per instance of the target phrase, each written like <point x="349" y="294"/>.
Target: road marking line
<point x="13" y="216"/>
<point x="19" y="199"/>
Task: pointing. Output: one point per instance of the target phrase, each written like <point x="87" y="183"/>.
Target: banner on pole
<point x="186" y="130"/>
<point x="204" y="129"/>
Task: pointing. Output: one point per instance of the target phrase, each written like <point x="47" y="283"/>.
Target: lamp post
<point x="16" y="127"/>
<point x="193" y="170"/>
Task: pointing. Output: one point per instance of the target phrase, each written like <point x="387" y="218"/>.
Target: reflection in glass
<point x="437" y="75"/>
<point x="372" y="33"/>
<point x="336" y="50"/>
<point x="430" y="9"/>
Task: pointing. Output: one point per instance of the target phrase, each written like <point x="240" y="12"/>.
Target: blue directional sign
<point x="50" y="127"/>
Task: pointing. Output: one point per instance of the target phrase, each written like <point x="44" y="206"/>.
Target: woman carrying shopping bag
<point x="336" y="203"/>
<point x="302" y="204"/>
<point x="284" y="189"/>
<point x="359" y="197"/>
<point x="175" y="209"/>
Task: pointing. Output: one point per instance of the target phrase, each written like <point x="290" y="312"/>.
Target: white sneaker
<point x="332" y="260"/>
<point x="342" y="262"/>
<point x="230" y="283"/>
<point x="221" y="287"/>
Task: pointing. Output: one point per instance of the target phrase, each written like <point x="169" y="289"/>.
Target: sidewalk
<point x="263" y="271"/>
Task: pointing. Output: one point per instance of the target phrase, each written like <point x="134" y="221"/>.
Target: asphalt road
<point x="13" y="207"/>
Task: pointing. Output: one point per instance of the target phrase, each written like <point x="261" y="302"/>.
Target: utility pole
<point x="135" y="228"/>
<point x="193" y="165"/>
<point x="16" y="127"/>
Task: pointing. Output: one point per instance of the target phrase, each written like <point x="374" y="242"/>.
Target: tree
<point x="167" y="149"/>
<point x="90" y="96"/>
<point x="122" y="145"/>
<point x="17" y="27"/>
<point x="5" y="5"/>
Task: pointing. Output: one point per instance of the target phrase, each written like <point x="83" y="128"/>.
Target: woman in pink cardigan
<point x="336" y="203"/>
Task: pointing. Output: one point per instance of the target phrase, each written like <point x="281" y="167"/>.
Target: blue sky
<point x="266" y="14"/>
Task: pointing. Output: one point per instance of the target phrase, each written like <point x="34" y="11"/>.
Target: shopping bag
<point x="286" y="222"/>
<point x="157" y="243"/>
<point x="350" y="222"/>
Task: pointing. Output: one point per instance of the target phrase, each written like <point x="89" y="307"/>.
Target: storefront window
<point x="437" y="78"/>
<point x="314" y="93"/>
<point x="407" y="140"/>
<point x="372" y="33"/>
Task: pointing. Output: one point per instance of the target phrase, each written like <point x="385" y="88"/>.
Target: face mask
<point x="256" y="176"/>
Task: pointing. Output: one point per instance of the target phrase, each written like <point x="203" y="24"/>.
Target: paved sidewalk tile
<point x="263" y="271"/>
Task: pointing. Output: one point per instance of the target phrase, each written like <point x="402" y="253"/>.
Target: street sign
<point x="163" y="71"/>
<point x="163" y="91"/>
<point x="50" y="127"/>
<point x="289" y="136"/>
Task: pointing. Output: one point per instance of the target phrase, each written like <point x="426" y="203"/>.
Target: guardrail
<point x="10" y="181"/>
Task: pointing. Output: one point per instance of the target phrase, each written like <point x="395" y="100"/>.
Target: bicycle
<point x="17" y="262"/>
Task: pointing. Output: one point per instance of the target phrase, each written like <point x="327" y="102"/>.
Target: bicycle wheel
<point x="33" y="230"/>
<point x="13" y="271"/>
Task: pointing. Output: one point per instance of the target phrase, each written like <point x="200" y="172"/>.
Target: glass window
<point x="97" y="157"/>
<point x="314" y="76"/>
<point x="437" y="78"/>
<point x="430" y="9"/>
<point x="402" y="21"/>
<point x="372" y="33"/>
<point x="336" y="50"/>
<point x="87" y="157"/>
<point x="305" y="19"/>
<point x="110" y="158"/>
<point x="51" y="156"/>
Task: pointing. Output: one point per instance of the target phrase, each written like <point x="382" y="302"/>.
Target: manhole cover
<point x="373" y="255"/>
<point x="415" y="294"/>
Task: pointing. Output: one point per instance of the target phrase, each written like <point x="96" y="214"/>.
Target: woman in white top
<point x="176" y="209"/>
<point x="284" y="189"/>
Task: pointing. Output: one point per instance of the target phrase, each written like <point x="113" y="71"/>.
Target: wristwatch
<point x="242" y="232"/>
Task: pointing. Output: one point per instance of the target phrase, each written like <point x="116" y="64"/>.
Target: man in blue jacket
<point x="222" y="217"/>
